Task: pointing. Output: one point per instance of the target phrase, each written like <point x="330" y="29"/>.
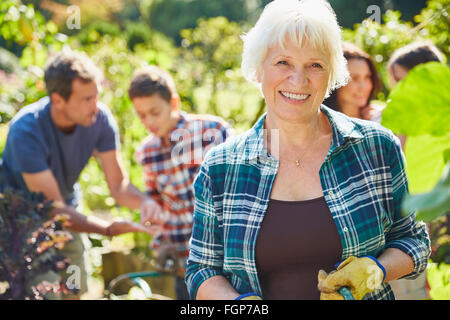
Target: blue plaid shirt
<point x="363" y="181"/>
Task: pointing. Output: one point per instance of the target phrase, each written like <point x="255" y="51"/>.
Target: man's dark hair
<point x="66" y="67"/>
<point x="152" y="80"/>
<point x="414" y="54"/>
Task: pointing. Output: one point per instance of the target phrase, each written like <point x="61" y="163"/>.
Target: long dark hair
<point x="353" y="52"/>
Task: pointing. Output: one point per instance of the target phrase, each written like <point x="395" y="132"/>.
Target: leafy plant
<point x="433" y="204"/>
<point x="425" y="94"/>
<point x="29" y="239"/>
<point x="418" y="107"/>
<point x="438" y="276"/>
<point x="433" y="23"/>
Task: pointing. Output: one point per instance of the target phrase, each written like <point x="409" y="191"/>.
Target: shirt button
<point x="330" y="193"/>
<point x="345" y="229"/>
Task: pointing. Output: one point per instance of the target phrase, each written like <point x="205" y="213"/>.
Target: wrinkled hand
<point x="360" y="275"/>
<point x="120" y="227"/>
<point x="151" y="213"/>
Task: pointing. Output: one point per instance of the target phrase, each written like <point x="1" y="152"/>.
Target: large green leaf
<point x="425" y="161"/>
<point x="433" y="204"/>
<point x="438" y="277"/>
<point x="420" y="103"/>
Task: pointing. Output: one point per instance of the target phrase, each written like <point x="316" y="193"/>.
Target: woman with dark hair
<point x="354" y="98"/>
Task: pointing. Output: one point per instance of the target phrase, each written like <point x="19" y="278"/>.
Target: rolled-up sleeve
<point x="406" y="234"/>
<point x="206" y="244"/>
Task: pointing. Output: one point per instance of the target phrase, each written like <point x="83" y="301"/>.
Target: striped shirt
<point x="169" y="172"/>
<point x="363" y="182"/>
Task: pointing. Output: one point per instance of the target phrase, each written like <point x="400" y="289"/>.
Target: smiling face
<point x="157" y="114"/>
<point x="356" y="93"/>
<point x="294" y="80"/>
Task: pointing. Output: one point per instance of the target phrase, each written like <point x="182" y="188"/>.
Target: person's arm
<point x="46" y="183"/>
<point x="216" y="288"/>
<point x="406" y="234"/>
<point x="406" y="250"/>
<point x="205" y="262"/>
<point x="124" y="192"/>
<point x="396" y="264"/>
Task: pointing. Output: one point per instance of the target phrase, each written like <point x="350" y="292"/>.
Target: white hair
<point x="312" y="20"/>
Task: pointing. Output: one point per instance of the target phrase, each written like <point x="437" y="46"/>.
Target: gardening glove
<point x="360" y="275"/>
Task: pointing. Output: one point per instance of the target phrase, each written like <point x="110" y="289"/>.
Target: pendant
<point x="297" y="163"/>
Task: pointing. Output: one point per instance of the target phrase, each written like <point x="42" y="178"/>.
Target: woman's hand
<point x="360" y="275"/>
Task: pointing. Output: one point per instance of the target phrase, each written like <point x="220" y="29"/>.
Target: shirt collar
<point x="181" y="124"/>
<point x="342" y="126"/>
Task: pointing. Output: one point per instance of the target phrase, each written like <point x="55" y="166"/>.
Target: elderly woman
<point x="305" y="188"/>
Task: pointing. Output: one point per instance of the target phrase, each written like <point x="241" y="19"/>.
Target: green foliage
<point x="213" y="54"/>
<point x="425" y="162"/>
<point x="419" y="108"/>
<point x="351" y="12"/>
<point x="184" y="14"/>
<point x="137" y="33"/>
<point x="424" y="91"/>
<point x="23" y="25"/>
<point x="438" y="276"/>
<point x="98" y="29"/>
<point x="9" y="63"/>
<point x="434" y="23"/>
<point x="433" y="204"/>
<point x="381" y="40"/>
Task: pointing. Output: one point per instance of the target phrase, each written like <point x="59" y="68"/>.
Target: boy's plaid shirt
<point x="169" y="172"/>
<point x="363" y="181"/>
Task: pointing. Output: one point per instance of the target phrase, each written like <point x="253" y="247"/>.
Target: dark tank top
<point x="296" y="240"/>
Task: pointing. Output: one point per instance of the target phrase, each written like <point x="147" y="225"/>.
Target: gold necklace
<point x="297" y="162"/>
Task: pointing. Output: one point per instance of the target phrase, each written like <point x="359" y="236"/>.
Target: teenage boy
<point x="50" y="142"/>
<point x="171" y="157"/>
